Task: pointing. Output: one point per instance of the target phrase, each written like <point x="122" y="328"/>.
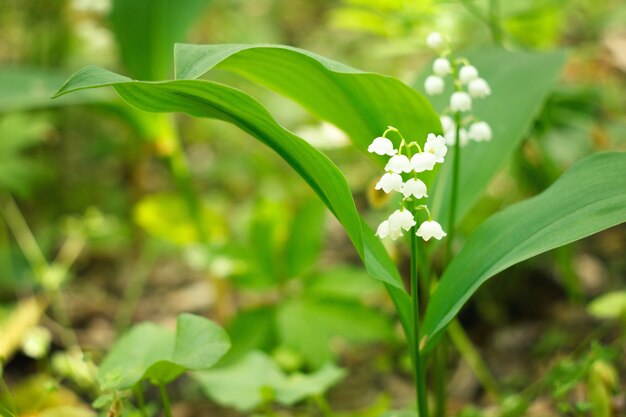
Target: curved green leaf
<point x="588" y="198"/>
<point x="362" y="104"/>
<point x="520" y="83"/>
<point x="149" y="351"/>
<point x="207" y="99"/>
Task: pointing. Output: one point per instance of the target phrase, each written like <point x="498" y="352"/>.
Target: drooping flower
<point x="382" y="146"/>
<point x="389" y="182"/>
<point x="442" y="67"/>
<point x="479" y="88"/>
<point x="435" y="41"/>
<point x="451" y="137"/>
<point x="415" y="188"/>
<point x="434" y="85"/>
<point x="401" y="219"/>
<point x="447" y="123"/>
<point x="398" y="164"/>
<point x="384" y="231"/>
<point x="430" y="229"/>
<point x="423" y="161"/>
<point x="460" y="101"/>
<point x="467" y="73"/>
<point x="480" y="131"/>
<point x="437" y="146"/>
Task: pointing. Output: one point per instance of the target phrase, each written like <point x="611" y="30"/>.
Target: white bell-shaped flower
<point x="382" y="146"/>
<point x="389" y="182"/>
<point x="436" y="41"/>
<point x="398" y="164"/>
<point x="460" y="101"/>
<point x="384" y="231"/>
<point x="480" y="131"/>
<point x="434" y="85"/>
<point x="423" y="161"/>
<point x="442" y="67"/>
<point x="415" y="188"/>
<point x="468" y="73"/>
<point x="451" y="137"/>
<point x="436" y="145"/>
<point x="479" y="88"/>
<point x="430" y="229"/>
<point x="401" y="219"/>
<point x="447" y="123"/>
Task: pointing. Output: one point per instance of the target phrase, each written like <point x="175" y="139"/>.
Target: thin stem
<point x="165" y="399"/>
<point x="474" y="360"/>
<point x="419" y="375"/>
<point x="456" y="166"/>
<point x="138" y="390"/>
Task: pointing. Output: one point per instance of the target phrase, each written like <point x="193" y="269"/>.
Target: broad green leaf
<point x="343" y="282"/>
<point x="609" y="306"/>
<point x="257" y="380"/>
<point x="362" y="104"/>
<point x="146" y="31"/>
<point x="588" y="198"/>
<point x="520" y="83"/>
<point x="208" y="99"/>
<point x="310" y="325"/>
<point x="149" y="351"/>
<point x="28" y="88"/>
<point x="250" y="330"/>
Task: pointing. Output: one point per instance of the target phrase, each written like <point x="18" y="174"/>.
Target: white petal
<point x="468" y="73"/>
<point x="423" y="161"/>
<point x="401" y="219"/>
<point x="382" y="146"/>
<point x="460" y="101"/>
<point x="398" y="164"/>
<point x="436" y="145"/>
<point x="435" y="41"/>
<point x="442" y="67"/>
<point x="447" y="123"/>
<point x="414" y="187"/>
<point x="478" y="88"/>
<point x="480" y="131"/>
<point x="389" y="182"/>
<point x="434" y="85"/>
<point x="430" y="229"/>
<point x="383" y="230"/>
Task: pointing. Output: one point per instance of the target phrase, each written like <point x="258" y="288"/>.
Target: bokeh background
<point x="109" y="221"/>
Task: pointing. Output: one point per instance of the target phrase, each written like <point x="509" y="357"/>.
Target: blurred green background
<point x="111" y="218"/>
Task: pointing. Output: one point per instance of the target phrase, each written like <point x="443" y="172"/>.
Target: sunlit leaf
<point x="149" y="351"/>
<point x="588" y="198"/>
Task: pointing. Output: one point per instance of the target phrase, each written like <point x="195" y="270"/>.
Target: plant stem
<point x="456" y="167"/>
<point x="138" y="390"/>
<point x="419" y="376"/>
<point x="474" y="360"/>
<point x="165" y="399"/>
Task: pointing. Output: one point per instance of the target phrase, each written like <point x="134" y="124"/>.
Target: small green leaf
<point x="588" y="198"/>
<point x="609" y="306"/>
<point x="257" y="380"/>
<point x="152" y="352"/>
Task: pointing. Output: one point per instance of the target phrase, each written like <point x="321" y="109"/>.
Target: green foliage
<point x="611" y="305"/>
<point x="146" y="30"/>
<point x="257" y="380"/>
<point x="18" y="133"/>
<point x="209" y="99"/>
<point x="151" y="352"/>
<point x="589" y="198"/>
<point x="520" y="83"/>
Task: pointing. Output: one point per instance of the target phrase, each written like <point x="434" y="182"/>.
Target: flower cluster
<point x="401" y="176"/>
<point x="467" y="85"/>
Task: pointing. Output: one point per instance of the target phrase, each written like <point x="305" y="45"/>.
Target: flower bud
<point x="460" y="101"/>
<point x="430" y="229"/>
<point x="480" y="131"/>
<point x="442" y="67"/>
<point x="435" y="41"/>
<point x="468" y="73"/>
<point x="434" y="85"/>
<point x="478" y="88"/>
